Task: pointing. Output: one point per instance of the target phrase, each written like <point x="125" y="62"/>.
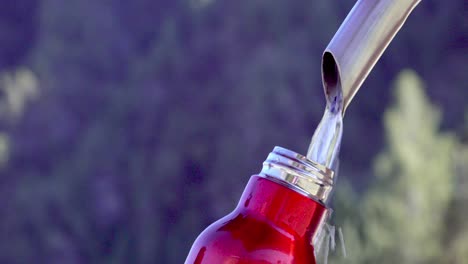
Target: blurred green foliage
<point x="128" y="126"/>
<point x="407" y="215"/>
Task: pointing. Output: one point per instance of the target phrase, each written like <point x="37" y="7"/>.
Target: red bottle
<point x="280" y="213"/>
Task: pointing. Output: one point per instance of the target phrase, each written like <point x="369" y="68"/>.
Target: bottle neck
<point x="299" y="173"/>
<point x="283" y="207"/>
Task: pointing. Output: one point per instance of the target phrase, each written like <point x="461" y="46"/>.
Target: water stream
<point x="325" y="144"/>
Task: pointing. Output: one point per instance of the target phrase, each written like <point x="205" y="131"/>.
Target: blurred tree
<point x="18" y="89"/>
<point x="404" y="213"/>
<point x="402" y="216"/>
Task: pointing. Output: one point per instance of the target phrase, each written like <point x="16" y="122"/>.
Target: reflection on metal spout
<point x="359" y="43"/>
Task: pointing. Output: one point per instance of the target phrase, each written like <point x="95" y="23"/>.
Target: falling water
<point x="325" y="144"/>
<point x="324" y="148"/>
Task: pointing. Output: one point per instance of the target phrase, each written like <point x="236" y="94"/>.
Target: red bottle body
<point x="271" y="224"/>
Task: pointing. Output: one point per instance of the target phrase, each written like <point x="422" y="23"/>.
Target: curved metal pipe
<point x="358" y="44"/>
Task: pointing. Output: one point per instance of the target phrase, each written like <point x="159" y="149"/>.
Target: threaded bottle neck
<point x="297" y="172"/>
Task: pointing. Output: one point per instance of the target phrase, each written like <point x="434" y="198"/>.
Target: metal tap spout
<point x="359" y="42"/>
<point x="349" y="57"/>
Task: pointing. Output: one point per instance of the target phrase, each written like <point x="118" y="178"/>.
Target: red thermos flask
<point x="280" y="213"/>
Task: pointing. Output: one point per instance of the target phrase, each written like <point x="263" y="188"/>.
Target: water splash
<point x="326" y="243"/>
